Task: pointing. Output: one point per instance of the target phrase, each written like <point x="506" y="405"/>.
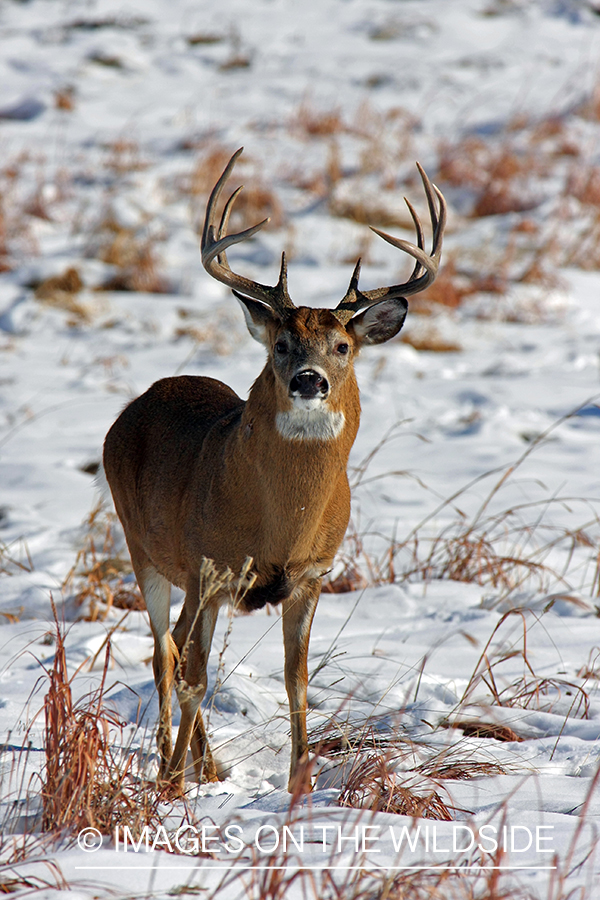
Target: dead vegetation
<point x="513" y="173"/>
<point x="371" y="785"/>
<point x="489" y="687"/>
<point x="509" y="551"/>
<point x="17" y="211"/>
<point x="256" y="202"/>
<point x="62" y="292"/>
<point x="98" y="576"/>
<point x="429" y="340"/>
<point x="86" y="781"/>
<point x="15" y="557"/>
<point x="132" y="252"/>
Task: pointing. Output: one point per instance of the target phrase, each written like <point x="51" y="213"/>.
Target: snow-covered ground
<point x="475" y="470"/>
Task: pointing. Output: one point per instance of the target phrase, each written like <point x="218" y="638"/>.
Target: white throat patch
<point x="309" y="420"/>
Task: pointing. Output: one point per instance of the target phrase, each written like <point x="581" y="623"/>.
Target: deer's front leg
<point x="298" y="612"/>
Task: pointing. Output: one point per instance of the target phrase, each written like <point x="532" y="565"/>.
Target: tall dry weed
<point x="86" y="781"/>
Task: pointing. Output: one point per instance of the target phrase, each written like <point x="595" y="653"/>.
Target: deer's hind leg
<point x="156" y="591"/>
<point x="193" y="636"/>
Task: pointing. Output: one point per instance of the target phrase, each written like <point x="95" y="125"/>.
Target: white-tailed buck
<point x="196" y="472"/>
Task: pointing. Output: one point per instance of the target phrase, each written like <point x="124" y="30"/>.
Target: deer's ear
<point x="258" y="318"/>
<point x="380" y="322"/>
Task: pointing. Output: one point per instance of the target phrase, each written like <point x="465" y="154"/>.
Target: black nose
<point x="309" y="384"/>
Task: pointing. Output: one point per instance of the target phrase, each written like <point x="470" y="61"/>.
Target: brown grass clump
<point x="590" y="108"/>
<point x="584" y="184"/>
<point x="527" y="692"/>
<point x="99" y="570"/>
<point x="124" y="156"/>
<point x="430" y="341"/>
<point x="85" y="782"/>
<point x="449" y="289"/>
<point x="204" y="38"/>
<point x="61" y="291"/>
<point x="132" y="254"/>
<point x="499" y="173"/>
<point x="473" y="557"/>
<point x="584" y="251"/>
<point x="486" y="730"/>
<point x="64" y="98"/>
<point x="254" y="203"/>
<point x="350" y="579"/>
<point x="591" y="670"/>
<point x="321" y="182"/>
<point x="449" y="765"/>
<point x="311" y="122"/>
<point x="16" y="234"/>
<point x="220" y="333"/>
<point x="238" y="58"/>
<point x="365" y="208"/>
<point x="371" y="785"/>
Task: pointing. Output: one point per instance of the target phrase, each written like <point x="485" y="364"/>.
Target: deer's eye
<point x="342" y="348"/>
<point x="281" y="347"/>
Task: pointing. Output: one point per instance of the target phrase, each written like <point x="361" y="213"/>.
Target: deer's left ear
<point x="380" y="322"/>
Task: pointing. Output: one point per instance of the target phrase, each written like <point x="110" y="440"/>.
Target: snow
<point x="501" y="433"/>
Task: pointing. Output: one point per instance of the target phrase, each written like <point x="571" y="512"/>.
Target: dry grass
<point x="347" y="200"/>
<point x="518" y="548"/>
<point x="369" y="752"/>
<point x="544" y="694"/>
<point x="124" y="156"/>
<point x="98" y="574"/>
<point x="205" y="38"/>
<point x="62" y="292"/>
<point x="383" y="142"/>
<point x="308" y="121"/>
<point x="371" y="785"/>
<point x="500" y="173"/>
<point x="86" y="782"/>
<point x="459" y="553"/>
<point x="17" y="210"/>
<point x="563" y="697"/>
<point x="64" y="98"/>
<point x="255" y="202"/>
<point x="492" y="730"/>
<point x="512" y="173"/>
<point x="501" y="549"/>
<point x="429" y="340"/>
<point x="220" y="335"/>
<point x="134" y="254"/>
<point x="15" y="558"/>
<point x="350" y="579"/>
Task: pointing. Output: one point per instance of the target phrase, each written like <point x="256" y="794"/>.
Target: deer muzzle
<point x="309" y="384"/>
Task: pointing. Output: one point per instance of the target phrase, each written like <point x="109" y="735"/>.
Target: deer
<point x="196" y="473"/>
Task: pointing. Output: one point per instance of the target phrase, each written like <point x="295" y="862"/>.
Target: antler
<point x="426" y="267"/>
<point x="215" y="241"/>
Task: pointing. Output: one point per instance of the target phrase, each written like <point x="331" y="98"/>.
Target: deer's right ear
<point x="257" y="318"/>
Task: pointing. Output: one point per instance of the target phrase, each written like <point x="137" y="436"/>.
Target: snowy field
<point x="455" y="656"/>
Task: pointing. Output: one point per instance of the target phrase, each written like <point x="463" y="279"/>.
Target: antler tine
<point x="426" y="266"/>
<point x="215" y="242"/>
